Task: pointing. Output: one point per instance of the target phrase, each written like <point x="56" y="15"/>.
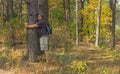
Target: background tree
<point x="66" y="7"/>
<point x="98" y="23"/>
<point x="77" y="28"/>
<point x="20" y="11"/>
<point x="113" y="7"/>
<point x="67" y="10"/>
<point x="81" y="6"/>
<point x="10" y="18"/>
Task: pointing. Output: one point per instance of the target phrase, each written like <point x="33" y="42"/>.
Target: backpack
<point x="48" y="28"/>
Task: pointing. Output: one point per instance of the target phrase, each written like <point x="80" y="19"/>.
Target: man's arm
<point x="32" y="26"/>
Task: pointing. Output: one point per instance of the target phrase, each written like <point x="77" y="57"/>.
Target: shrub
<point x="79" y="67"/>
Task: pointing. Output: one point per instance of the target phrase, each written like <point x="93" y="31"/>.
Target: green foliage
<point x="90" y="13"/>
<point x="115" y="53"/>
<point x="10" y="58"/>
<point x="79" y="67"/>
<point x="117" y="28"/>
<point x="62" y="31"/>
<point x="18" y="30"/>
<point x="62" y="39"/>
<point x="58" y="38"/>
<point x="103" y="71"/>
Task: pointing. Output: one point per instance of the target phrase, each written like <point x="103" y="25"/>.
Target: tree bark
<point x="113" y="6"/>
<point x="63" y="2"/>
<point x="33" y="41"/>
<point x="10" y="17"/>
<point x="43" y="8"/>
<point x="66" y="7"/>
<point x="20" y="11"/>
<point x="81" y="18"/>
<point x="98" y="24"/>
<point x="67" y="11"/>
<point x="77" y="30"/>
<point x="1" y="7"/>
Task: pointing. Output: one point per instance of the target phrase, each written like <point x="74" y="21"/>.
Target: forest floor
<point x="76" y="60"/>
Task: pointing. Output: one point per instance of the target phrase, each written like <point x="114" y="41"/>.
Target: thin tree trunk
<point x="81" y="18"/>
<point x="87" y="1"/>
<point x="98" y="24"/>
<point x="77" y="33"/>
<point x="10" y="17"/>
<point x="20" y="12"/>
<point x="66" y="6"/>
<point x="2" y="12"/>
<point x="4" y="7"/>
<point x="1" y="7"/>
<point x="64" y="1"/>
<point x="67" y="11"/>
<point x="113" y="24"/>
<point x="33" y="41"/>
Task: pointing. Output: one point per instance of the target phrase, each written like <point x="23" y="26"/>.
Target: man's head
<point x="40" y="17"/>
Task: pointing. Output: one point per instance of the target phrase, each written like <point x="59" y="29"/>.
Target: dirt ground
<point x="95" y="58"/>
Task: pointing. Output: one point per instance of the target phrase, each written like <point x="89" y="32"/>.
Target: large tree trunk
<point x="98" y="24"/>
<point x="113" y="6"/>
<point x="43" y="8"/>
<point x="77" y="30"/>
<point x="33" y="41"/>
